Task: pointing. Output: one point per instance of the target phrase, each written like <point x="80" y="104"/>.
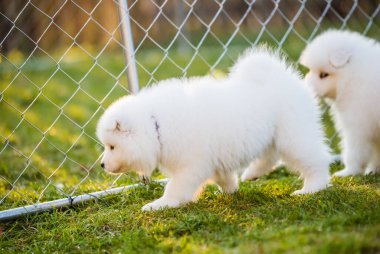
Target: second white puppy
<point x="202" y="128"/>
<point x="345" y="69"/>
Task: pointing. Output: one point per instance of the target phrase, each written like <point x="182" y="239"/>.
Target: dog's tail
<point x="262" y="65"/>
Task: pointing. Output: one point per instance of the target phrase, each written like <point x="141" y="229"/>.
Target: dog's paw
<point x="159" y="204"/>
<point x="372" y="171"/>
<point x="310" y="189"/>
<point x="344" y="172"/>
<point x="302" y="192"/>
<point x="249" y="174"/>
<point x="229" y="189"/>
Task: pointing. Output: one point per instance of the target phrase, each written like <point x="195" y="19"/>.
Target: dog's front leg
<point x="181" y="189"/>
<point x="356" y="154"/>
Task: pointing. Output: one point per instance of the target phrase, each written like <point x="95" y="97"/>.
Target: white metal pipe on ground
<point x="64" y="202"/>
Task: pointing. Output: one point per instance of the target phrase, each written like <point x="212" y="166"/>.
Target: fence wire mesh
<point x="62" y="64"/>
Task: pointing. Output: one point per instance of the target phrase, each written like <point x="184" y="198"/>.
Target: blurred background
<point x="92" y="22"/>
<point x="62" y="63"/>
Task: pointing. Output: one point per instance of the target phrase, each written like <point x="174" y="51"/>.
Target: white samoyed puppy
<point x="199" y="129"/>
<point x="345" y="69"/>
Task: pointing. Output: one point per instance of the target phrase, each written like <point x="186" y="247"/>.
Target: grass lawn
<point x="48" y="150"/>
<point x="261" y="217"/>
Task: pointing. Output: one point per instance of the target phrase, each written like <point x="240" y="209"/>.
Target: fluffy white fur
<point x="345" y="69"/>
<point x="202" y="128"/>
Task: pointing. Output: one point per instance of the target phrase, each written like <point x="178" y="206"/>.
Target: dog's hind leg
<point x="302" y="149"/>
<point x="356" y="155"/>
<point x="261" y="166"/>
<point x="374" y="163"/>
<point x="227" y="181"/>
<point x="183" y="187"/>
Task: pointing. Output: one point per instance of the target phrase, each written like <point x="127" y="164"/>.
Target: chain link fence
<point x="63" y="62"/>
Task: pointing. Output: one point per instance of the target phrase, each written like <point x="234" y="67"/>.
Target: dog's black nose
<point x="102" y="165"/>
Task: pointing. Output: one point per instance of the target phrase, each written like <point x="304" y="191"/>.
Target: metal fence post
<point x="129" y="50"/>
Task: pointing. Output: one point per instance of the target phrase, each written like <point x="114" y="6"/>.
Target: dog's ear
<point x="339" y="58"/>
<point x="120" y="129"/>
<point x="117" y="126"/>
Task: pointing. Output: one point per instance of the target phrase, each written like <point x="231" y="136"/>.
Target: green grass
<point x="262" y="217"/>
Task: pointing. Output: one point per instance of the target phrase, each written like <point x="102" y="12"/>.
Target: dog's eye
<point x="323" y="75"/>
<point x="112" y="147"/>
